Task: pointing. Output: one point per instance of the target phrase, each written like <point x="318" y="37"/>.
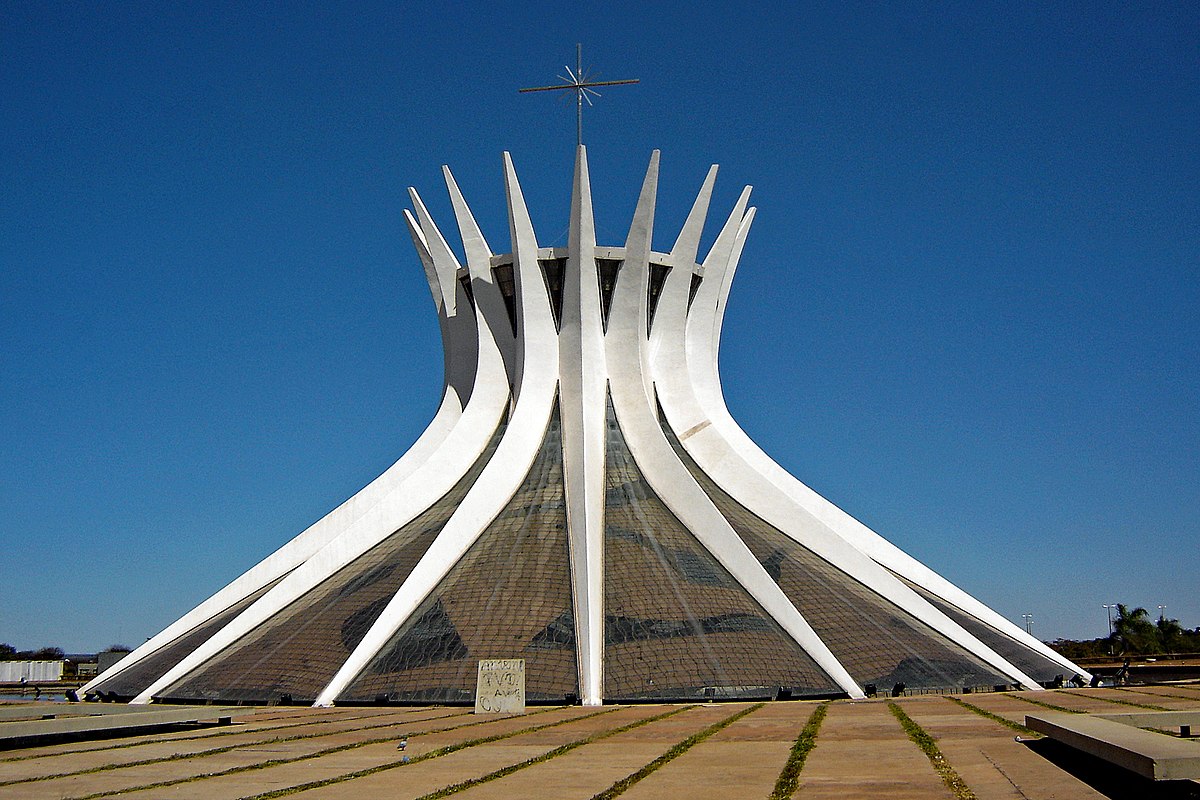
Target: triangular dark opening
<point x="695" y="287"/>
<point x="553" y="270"/>
<point x="503" y="276"/>
<point x="607" y="268"/>
<point x="465" y="282"/>
<point x="658" y="277"/>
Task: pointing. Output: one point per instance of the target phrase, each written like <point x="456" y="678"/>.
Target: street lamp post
<point x="1161" y="613"/>
<point x="1109" y="607"/>
<point x="1028" y="623"/>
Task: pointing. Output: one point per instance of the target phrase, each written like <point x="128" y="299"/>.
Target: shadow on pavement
<point x="1109" y="779"/>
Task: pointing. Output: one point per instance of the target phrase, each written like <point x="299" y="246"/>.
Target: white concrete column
<point x="582" y="382"/>
<point x="627" y="347"/>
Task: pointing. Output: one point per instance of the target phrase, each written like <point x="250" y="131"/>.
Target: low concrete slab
<point x="57" y="710"/>
<point x="21" y="734"/>
<point x="1152" y="755"/>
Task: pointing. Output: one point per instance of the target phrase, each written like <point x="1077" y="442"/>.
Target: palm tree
<point x="1169" y="633"/>
<point x="1133" y="630"/>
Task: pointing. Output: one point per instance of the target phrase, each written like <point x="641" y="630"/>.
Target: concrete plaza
<point x="721" y="751"/>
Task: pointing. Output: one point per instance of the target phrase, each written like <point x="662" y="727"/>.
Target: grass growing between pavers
<point x="1044" y="704"/>
<point x="983" y="712"/>
<point x="405" y="761"/>
<point x="275" y="762"/>
<point x="558" y="751"/>
<point x="675" y="752"/>
<point x="923" y="740"/>
<point x="1107" y="699"/>
<point x="213" y="751"/>
<point x="1054" y="707"/>
<point x="1192" y="697"/>
<point x="789" y="777"/>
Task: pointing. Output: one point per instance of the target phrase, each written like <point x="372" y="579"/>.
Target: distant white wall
<point x="31" y="671"/>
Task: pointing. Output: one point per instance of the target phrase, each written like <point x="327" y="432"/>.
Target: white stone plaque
<point x="500" y="688"/>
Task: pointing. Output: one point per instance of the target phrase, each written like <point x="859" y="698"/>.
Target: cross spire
<point x="579" y="83"/>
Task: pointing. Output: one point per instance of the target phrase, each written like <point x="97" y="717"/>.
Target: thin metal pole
<point x="1109" y="607"/>
<point x="579" y="95"/>
<point x="579" y="84"/>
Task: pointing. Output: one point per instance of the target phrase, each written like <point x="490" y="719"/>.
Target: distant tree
<point x="7" y="652"/>
<point x="117" y="648"/>
<point x="1133" y="631"/>
<point x="45" y="654"/>
<point x="1072" y="649"/>
<point x="1170" y="635"/>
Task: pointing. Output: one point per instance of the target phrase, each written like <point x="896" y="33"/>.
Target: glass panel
<point x="877" y="642"/>
<point x="1032" y="663"/>
<point x="296" y="652"/>
<point x="677" y="625"/>
<point x="508" y="597"/>
<point x="132" y="681"/>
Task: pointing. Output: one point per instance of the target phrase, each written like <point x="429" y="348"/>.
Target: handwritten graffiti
<point x="500" y="688"/>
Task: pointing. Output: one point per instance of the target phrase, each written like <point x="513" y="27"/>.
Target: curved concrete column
<point x="460" y="344"/>
<point x="703" y="337"/>
<point x="405" y="499"/>
<point x="486" y="294"/>
<point x="627" y="347"/>
<point x="537" y="364"/>
<point x="722" y="460"/>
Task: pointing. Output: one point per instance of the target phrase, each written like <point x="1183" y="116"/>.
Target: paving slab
<point x="742" y="760"/>
<point x="1161" y="695"/>
<point x="582" y="773"/>
<point x="1079" y="700"/>
<point x="862" y="751"/>
<point x="1125" y="696"/>
<point x="414" y="780"/>
<point x="990" y="761"/>
<point x="335" y="765"/>
<point x="168" y="748"/>
<point x="194" y="769"/>
<point x="1002" y="704"/>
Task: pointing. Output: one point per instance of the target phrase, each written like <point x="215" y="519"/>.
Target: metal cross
<point x="578" y="83"/>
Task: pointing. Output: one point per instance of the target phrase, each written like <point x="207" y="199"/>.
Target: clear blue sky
<point x="967" y="312"/>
